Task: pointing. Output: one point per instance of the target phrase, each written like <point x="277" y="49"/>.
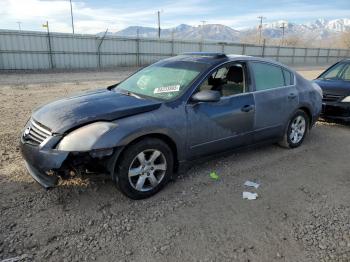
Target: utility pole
<point x="202" y="31"/>
<point x="46" y="25"/>
<point x="260" y="27"/>
<point x="172" y="34"/>
<point x="71" y="14"/>
<point x="158" y="12"/>
<point x="283" y="26"/>
<point x="19" y="25"/>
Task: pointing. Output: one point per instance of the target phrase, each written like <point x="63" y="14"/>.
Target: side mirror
<point x="206" y="96"/>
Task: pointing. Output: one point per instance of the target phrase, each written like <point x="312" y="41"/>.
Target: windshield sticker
<point x="167" y="89"/>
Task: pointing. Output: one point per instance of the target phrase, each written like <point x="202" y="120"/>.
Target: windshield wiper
<point x="128" y="93"/>
<point x="330" y="78"/>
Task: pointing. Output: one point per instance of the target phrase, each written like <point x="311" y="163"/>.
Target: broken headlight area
<point x="84" y="138"/>
<point x="83" y="163"/>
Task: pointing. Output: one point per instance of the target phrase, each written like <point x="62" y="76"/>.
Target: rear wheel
<point x="296" y="131"/>
<point x="144" y="168"/>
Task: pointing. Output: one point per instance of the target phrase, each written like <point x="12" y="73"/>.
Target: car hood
<point x="100" y="105"/>
<point x="334" y="87"/>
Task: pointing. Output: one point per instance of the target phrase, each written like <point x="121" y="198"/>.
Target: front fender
<point x="171" y="124"/>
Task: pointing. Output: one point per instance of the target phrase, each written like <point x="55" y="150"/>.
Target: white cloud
<point x="33" y="13"/>
<point x="89" y="19"/>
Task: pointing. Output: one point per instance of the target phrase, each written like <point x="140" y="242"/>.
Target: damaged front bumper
<point x="46" y="164"/>
<point x="39" y="160"/>
<point x="336" y="111"/>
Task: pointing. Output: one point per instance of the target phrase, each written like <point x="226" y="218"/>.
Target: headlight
<point x="82" y="139"/>
<point x="346" y="99"/>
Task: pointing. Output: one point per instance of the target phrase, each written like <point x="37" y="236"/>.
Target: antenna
<point x="260" y="27"/>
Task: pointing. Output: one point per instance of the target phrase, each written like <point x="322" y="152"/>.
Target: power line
<point x="260" y="27"/>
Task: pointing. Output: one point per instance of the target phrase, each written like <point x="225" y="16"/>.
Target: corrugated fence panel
<point x="299" y="51"/>
<point x="31" y="50"/>
<point x="118" y="60"/>
<point x="183" y="47"/>
<point x="116" y="45"/>
<point x="271" y="51"/>
<point x="343" y="53"/>
<point x="312" y="52"/>
<point x="212" y="48"/>
<point x="155" y="47"/>
<point x="286" y="51"/>
<point x="323" y="52"/>
<point x="253" y="50"/>
<point x="148" y="59"/>
<point x="333" y="52"/>
<point x="234" y="49"/>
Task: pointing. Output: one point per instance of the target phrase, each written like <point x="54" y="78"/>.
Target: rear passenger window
<point x="288" y="78"/>
<point x="267" y="76"/>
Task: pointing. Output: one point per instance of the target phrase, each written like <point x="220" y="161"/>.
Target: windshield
<point x="337" y="72"/>
<point x="165" y="80"/>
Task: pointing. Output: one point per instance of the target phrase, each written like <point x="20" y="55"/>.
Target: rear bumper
<point x="336" y="111"/>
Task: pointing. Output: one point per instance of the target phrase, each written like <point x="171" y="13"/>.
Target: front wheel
<point x="296" y="131"/>
<point x="144" y="168"/>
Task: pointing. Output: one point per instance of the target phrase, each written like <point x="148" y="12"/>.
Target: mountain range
<point x="321" y="29"/>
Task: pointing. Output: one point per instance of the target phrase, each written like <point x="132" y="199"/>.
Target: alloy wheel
<point x="147" y="170"/>
<point x="298" y="128"/>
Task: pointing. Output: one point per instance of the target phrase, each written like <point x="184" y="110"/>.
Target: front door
<point x="226" y="124"/>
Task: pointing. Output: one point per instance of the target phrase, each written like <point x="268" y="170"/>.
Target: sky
<point x="93" y="16"/>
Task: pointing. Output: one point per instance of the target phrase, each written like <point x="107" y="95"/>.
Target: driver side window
<point x="228" y="80"/>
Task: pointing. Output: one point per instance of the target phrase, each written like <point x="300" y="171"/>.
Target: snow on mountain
<point x="319" y="29"/>
<point x="207" y="32"/>
<point x="339" y="25"/>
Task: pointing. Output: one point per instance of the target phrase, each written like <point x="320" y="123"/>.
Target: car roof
<point x="219" y="58"/>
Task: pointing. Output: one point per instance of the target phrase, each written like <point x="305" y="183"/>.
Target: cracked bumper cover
<point x="39" y="161"/>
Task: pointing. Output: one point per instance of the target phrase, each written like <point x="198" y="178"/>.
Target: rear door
<point x="276" y="98"/>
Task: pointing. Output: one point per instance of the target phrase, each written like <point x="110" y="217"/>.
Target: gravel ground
<point x="302" y="212"/>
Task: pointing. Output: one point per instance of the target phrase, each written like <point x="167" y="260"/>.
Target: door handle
<point x="292" y="96"/>
<point x="247" y="108"/>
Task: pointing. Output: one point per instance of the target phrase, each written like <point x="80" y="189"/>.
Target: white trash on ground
<point x="251" y="184"/>
<point x="249" y="195"/>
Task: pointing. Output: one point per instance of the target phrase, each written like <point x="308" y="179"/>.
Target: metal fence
<point x="38" y="50"/>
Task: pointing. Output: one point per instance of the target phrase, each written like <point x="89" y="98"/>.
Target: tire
<point x="299" y="126"/>
<point x="145" y="167"/>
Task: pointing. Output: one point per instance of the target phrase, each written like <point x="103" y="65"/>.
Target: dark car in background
<point x="144" y="129"/>
<point x="335" y="84"/>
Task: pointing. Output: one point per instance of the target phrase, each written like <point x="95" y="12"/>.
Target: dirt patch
<point x="302" y="213"/>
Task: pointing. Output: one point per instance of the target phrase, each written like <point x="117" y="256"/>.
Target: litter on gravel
<point x="214" y="176"/>
<point x="249" y="195"/>
<point x="14" y="259"/>
<point x="251" y="184"/>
